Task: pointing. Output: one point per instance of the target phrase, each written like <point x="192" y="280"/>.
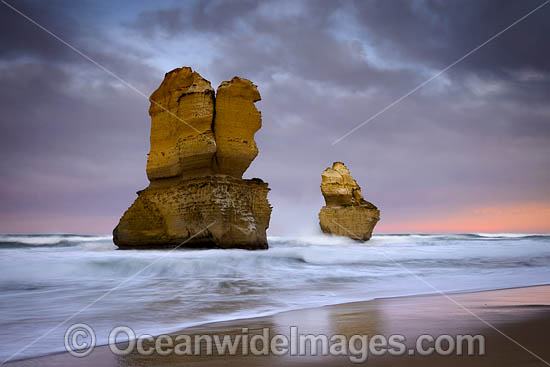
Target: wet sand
<point x="522" y="314"/>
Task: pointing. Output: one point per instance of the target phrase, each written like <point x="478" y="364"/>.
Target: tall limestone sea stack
<point x="201" y="144"/>
<point x="346" y="212"/>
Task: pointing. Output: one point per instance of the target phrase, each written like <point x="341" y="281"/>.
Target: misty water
<point x="47" y="278"/>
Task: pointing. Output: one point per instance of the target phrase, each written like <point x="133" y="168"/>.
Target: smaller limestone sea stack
<point x="346" y="212"/>
<point x="201" y="144"/>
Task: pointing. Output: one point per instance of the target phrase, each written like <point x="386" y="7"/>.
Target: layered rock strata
<point x="236" y="147"/>
<point x="201" y="144"/>
<point x="346" y="212"/>
<point x="182" y="140"/>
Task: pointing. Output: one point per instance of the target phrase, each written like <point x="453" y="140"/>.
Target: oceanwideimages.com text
<point x="80" y="340"/>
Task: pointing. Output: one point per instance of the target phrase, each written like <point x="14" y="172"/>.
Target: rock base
<point x="356" y="222"/>
<point x="215" y="211"/>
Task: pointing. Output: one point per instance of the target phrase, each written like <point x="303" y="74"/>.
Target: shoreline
<point x="520" y="304"/>
<point x="243" y="320"/>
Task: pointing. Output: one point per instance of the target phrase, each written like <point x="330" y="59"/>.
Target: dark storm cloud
<point x="23" y="42"/>
<point x="306" y="40"/>
<point x="476" y="136"/>
<point x="20" y="38"/>
<point x="254" y="39"/>
<point x="439" y="32"/>
<point x="203" y="16"/>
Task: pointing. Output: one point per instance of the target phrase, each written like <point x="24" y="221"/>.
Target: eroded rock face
<point x="346" y="212"/>
<point x="201" y="144"/>
<point x="182" y="141"/>
<point x="236" y="122"/>
<point x="210" y="211"/>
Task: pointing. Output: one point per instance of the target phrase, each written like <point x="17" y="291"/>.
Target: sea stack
<point x="346" y="212"/>
<point x="201" y="144"/>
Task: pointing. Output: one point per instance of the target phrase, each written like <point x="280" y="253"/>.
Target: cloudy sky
<point x="467" y="152"/>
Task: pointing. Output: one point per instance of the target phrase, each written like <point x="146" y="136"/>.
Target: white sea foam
<point x="508" y="235"/>
<point x="42" y="240"/>
<point x="50" y="277"/>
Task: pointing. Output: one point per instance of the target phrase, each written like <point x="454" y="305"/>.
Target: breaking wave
<point x="48" y="240"/>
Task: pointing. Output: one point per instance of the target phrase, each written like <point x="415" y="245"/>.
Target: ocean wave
<point x="511" y="235"/>
<point x="460" y="236"/>
<point x="53" y="240"/>
<point x="314" y="263"/>
<point x="70" y="240"/>
<point x="316" y="240"/>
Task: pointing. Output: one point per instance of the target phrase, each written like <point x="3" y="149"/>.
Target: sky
<point x="467" y="152"/>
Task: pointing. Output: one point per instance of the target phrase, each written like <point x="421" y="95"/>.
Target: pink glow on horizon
<point x="520" y="218"/>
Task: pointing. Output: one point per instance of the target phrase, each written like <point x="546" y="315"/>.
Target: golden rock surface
<point x="346" y="212"/>
<point x="237" y="120"/>
<point x="210" y="211"/>
<point x="182" y="141"/>
<point x="201" y="144"/>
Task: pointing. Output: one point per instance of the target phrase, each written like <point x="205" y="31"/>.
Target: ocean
<point x="46" y="279"/>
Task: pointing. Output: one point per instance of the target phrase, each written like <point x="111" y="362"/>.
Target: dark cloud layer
<point x="75" y="139"/>
<point x="21" y="39"/>
<point x="439" y="32"/>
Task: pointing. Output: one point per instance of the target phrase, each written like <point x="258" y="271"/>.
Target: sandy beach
<point x="520" y="317"/>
